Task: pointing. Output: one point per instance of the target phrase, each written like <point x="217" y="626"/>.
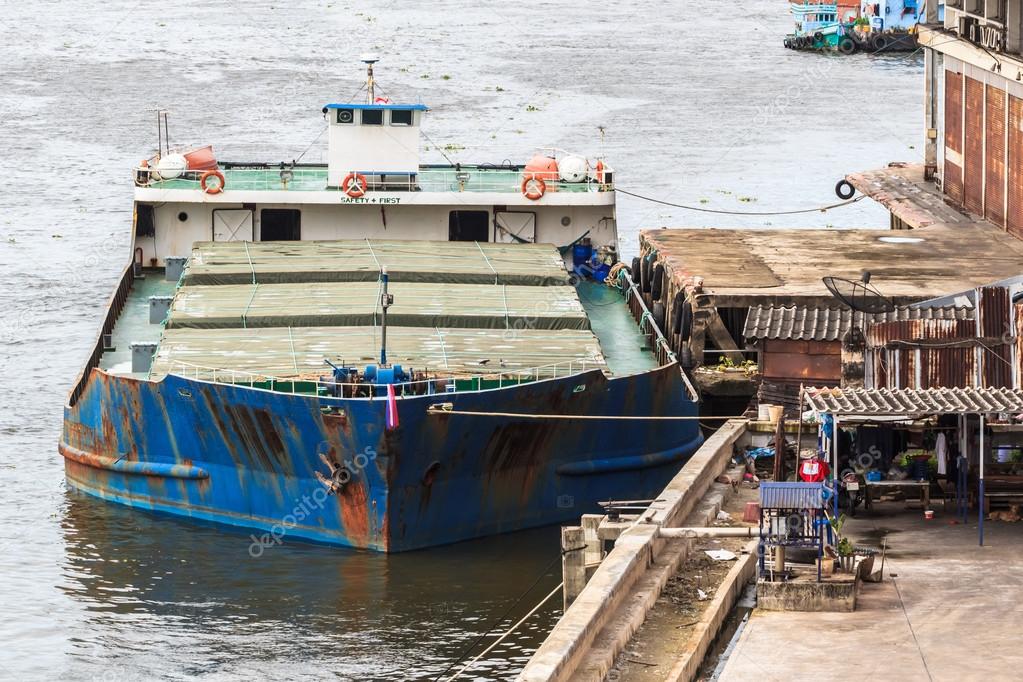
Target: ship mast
<point x="369" y="60"/>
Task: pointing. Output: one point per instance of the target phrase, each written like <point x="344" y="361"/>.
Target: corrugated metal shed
<point x="873" y="402"/>
<point x="805" y="323"/>
<point x="929" y="353"/>
<point x="784" y="495"/>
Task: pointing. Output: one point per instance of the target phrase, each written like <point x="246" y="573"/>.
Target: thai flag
<point x="392" y="408"/>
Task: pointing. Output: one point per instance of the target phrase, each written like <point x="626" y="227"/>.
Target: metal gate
<point x="1014" y="172"/>
<point x="973" y="156"/>
<point x="994" y="156"/>
<point x="953" y="177"/>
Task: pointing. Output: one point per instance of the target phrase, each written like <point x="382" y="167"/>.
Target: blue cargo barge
<point x="243" y="375"/>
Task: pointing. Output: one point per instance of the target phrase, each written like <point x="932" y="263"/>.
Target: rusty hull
<point x="249" y="458"/>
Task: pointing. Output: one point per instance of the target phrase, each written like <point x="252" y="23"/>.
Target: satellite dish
<point x="859" y="296"/>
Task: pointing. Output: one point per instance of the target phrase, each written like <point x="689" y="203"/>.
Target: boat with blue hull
<point x="254" y="380"/>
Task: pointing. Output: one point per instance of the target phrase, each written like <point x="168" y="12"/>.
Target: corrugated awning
<point x="808" y="323"/>
<point x="789" y="495"/>
<point x="887" y="402"/>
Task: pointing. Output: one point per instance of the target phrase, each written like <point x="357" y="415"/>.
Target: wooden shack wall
<point x="811" y="362"/>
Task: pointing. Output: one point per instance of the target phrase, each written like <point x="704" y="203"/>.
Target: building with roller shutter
<point x="973" y="120"/>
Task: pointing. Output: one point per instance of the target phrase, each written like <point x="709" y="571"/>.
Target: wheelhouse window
<point x="346" y="116"/>
<point x="280" y="225"/>
<point x="469" y="226"/>
<point x="401" y="117"/>
<point x="372" y="117"/>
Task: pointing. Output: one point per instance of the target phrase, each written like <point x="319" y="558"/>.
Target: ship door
<point x="515" y="228"/>
<point x="232" y="225"/>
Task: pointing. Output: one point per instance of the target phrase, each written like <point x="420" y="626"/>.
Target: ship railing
<point x="104" y="340"/>
<point x="662" y="344"/>
<point x="433" y="385"/>
<point x="476" y="178"/>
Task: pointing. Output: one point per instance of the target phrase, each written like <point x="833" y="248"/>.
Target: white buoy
<point x="172" y="166"/>
<point x="572" y="169"/>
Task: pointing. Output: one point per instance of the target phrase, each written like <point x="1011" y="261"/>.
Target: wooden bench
<point x="1001" y="499"/>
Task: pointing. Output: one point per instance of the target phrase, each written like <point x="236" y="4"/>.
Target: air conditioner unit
<point x="967" y="28"/>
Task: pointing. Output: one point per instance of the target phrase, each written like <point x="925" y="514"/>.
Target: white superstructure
<point x="373" y="186"/>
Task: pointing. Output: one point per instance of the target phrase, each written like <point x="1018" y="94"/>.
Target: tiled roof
<point x="831" y="324"/>
<point x="904" y="401"/>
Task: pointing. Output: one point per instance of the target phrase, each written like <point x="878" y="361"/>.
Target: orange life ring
<point x="354" y="185"/>
<point x="600" y="172"/>
<point x="206" y="176"/>
<point x="533" y="187"/>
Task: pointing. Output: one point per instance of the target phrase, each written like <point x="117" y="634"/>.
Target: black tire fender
<point x="685" y="323"/>
<point x="844" y="189"/>
<point x="634" y="270"/>
<point x="644" y="274"/>
<point x="658" y="313"/>
<point x="657" y="283"/>
<point x="676" y="312"/>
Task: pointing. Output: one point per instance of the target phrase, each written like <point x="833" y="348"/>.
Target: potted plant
<point x="846" y="557"/>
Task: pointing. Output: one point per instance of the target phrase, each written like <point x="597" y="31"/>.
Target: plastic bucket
<point x="775" y="413"/>
<point x="928" y="514"/>
<point x="763" y="413"/>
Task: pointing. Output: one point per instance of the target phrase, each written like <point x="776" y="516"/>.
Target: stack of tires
<point x="653" y="283"/>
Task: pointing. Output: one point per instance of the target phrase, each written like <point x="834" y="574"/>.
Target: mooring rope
<point x="609" y="417"/>
<point x="818" y="209"/>
<point x="507" y="632"/>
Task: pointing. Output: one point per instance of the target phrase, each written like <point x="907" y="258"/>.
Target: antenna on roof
<point x="859" y="296"/>
<point x="369" y="59"/>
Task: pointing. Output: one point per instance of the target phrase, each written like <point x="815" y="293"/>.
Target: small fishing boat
<point x="376" y="352"/>
<point x="847" y="28"/>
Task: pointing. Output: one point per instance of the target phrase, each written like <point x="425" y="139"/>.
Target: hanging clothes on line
<point x="941" y="453"/>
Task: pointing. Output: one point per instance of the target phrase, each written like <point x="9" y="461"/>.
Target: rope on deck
<point x="248" y="257"/>
<point x="489" y="264"/>
<point x="294" y="358"/>
<point x="373" y="253"/>
<point x="247" y="305"/>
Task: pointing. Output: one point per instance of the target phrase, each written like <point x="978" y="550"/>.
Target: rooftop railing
<point x="479" y="178"/>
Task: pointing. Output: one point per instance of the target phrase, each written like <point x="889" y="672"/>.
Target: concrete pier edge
<point x="634" y="552"/>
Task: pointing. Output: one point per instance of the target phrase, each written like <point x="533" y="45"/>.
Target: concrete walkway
<point x="948" y="610"/>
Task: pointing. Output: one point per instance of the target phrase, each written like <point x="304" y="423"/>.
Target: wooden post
<point x="573" y="562"/>
<point x="799" y="428"/>
<point x="779" y="449"/>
